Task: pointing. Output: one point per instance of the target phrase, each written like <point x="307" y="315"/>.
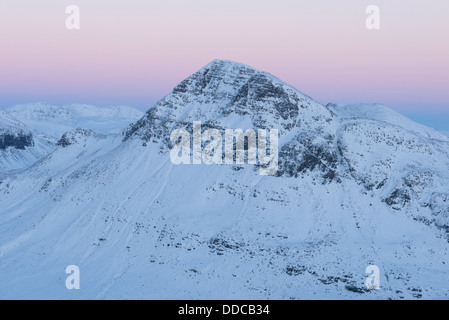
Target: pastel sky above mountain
<point x="134" y="52"/>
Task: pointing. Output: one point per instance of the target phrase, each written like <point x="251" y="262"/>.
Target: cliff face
<point x="17" y="140"/>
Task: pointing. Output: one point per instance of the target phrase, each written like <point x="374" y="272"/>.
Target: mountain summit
<point x="225" y="92"/>
<point x="357" y="186"/>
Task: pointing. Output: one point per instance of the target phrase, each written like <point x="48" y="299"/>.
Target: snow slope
<point x="355" y="187"/>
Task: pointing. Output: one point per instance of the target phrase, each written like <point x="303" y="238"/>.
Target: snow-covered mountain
<point x="19" y="147"/>
<point x="13" y="133"/>
<point x="356" y="186"/>
<point x="38" y="127"/>
<point x="53" y="121"/>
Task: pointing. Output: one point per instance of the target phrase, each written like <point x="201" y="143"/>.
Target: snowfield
<point x="357" y="185"/>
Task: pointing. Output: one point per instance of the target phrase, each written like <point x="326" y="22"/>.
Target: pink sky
<point x="134" y="52"/>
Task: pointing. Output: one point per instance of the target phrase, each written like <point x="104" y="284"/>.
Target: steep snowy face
<point x="403" y="163"/>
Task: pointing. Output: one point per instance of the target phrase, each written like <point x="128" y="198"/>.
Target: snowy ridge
<point x="355" y="187"/>
<point x="53" y="121"/>
<point x="384" y="114"/>
<point x="78" y="135"/>
<point x="47" y="112"/>
<point x="9" y="124"/>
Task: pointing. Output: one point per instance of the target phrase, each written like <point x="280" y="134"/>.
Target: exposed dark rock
<point x="16" y="140"/>
<point x="354" y="288"/>
<point x="303" y="155"/>
<point x="398" y="199"/>
<point x="73" y="137"/>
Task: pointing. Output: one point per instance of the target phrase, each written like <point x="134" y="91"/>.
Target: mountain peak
<point x="222" y="75"/>
<point x="225" y="62"/>
<point x="226" y="75"/>
<point x="227" y="66"/>
<point x="232" y="95"/>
